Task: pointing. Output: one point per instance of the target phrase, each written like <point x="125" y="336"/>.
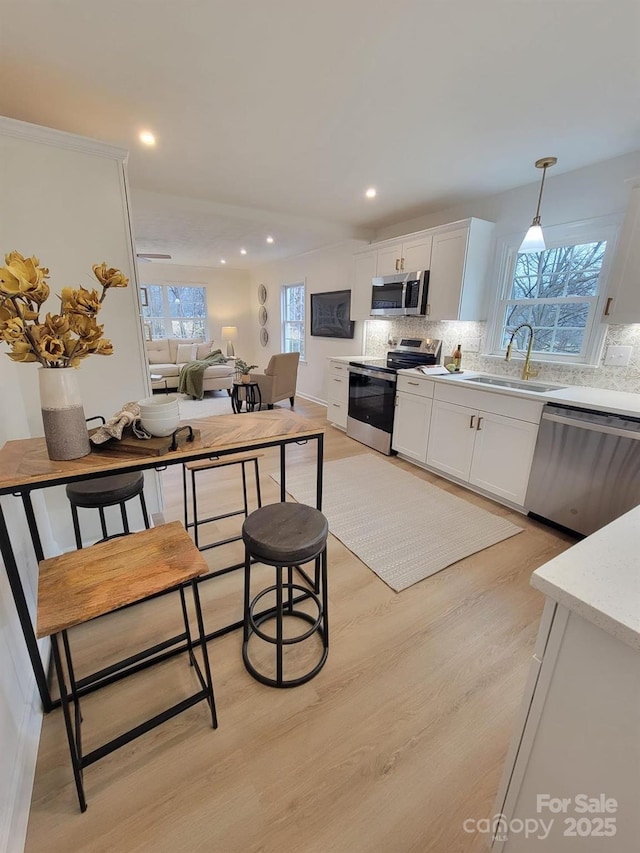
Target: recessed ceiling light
<point x="371" y="192"/>
<point x="147" y="138"/>
<point x="222" y="261"/>
<point x="243" y="251"/>
<point x="269" y="239"/>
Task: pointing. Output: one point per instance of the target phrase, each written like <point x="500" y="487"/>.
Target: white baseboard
<point x="16" y="815"/>
<point x="312" y="399"/>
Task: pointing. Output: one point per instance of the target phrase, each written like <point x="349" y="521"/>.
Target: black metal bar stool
<point x="208" y="465"/>
<point x="286" y="535"/>
<point x="75" y="588"/>
<point x="102" y="492"/>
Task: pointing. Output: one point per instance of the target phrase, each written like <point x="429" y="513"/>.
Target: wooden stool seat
<point x="82" y="585"/>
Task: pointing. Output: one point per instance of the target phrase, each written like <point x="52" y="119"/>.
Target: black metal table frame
<point x="142" y="659"/>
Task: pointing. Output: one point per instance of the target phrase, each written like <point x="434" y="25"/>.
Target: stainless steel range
<point x="372" y="390"/>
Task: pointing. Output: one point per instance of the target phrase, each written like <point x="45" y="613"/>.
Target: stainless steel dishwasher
<point x="586" y="468"/>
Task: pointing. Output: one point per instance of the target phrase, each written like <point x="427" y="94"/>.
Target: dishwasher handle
<point x="593" y="427"/>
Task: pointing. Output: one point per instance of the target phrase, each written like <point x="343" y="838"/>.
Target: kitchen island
<point x="575" y="754"/>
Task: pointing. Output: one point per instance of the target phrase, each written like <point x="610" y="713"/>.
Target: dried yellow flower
<point x="63" y="339"/>
<point x="109" y="277"/>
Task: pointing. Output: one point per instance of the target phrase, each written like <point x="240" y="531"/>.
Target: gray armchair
<point x="279" y="379"/>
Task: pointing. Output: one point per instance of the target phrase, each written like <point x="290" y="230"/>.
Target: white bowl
<point x="157" y="404"/>
<point x="154" y="416"/>
<point x="161" y="426"/>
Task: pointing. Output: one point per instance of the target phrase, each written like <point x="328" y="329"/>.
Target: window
<point x="175" y="311"/>
<point x="558" y="293"/>
<point x="293" y="298"/>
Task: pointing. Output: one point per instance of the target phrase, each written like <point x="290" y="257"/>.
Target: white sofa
<point x="167" y="357"/>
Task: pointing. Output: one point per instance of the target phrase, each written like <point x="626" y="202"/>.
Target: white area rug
<point x="401" y="527"/>
<point x="214" y="403"/>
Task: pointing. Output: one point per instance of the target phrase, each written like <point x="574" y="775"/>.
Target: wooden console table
<point x="25" y="467"/>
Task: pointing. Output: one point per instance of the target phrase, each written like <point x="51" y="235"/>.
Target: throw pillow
<point x="204" y="349"/>
<point x="186" y="352"/>
<point x="157" y="356"/>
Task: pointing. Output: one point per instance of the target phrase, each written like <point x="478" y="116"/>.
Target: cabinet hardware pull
<point x="608" y="306"/>
<point x="413" y="383"/>
<point x="402" y="264"/>
<point x="337" y="405"/>
<point x="428" y="309"/>
<point x="479" y="427"/>
<point x="336" y="380"/>
<point x="471" y="422"/>
<point x="397" y="262"/>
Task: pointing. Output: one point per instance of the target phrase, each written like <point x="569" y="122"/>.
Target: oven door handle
<point x="375" y="374"/>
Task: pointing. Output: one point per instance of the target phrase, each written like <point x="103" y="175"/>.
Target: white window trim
<point x="301" y="283"/>
<point x="585" y="231"/>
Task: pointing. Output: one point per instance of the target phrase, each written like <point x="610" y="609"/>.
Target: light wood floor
<point x="400" y="737"/>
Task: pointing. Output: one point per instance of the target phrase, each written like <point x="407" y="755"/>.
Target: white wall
<point x="322" y="270"/>
<point x="228" y="302"/>
<point x="63" y="199"/>
<point x="597" y="190"/>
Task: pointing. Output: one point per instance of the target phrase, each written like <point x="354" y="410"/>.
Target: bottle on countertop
<point x="457" y="357"/>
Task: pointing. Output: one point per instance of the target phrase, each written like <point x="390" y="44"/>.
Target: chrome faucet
<point x="526" y="369"/>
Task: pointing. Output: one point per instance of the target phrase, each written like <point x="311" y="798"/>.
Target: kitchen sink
<point x="518" y="384"/>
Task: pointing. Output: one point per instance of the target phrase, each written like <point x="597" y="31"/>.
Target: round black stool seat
<point x="106" y="491"/>
<point x="286" y="535"/>
<point x="102" y="492"/>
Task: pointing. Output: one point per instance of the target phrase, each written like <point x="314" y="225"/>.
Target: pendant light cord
<point x="536" y="218"/>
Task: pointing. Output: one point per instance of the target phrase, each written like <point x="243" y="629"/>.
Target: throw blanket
<point x="191" y="379"/>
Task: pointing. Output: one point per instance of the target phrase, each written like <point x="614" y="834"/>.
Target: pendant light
<point x="534" y="240"/>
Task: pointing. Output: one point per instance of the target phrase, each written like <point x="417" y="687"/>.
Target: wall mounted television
<point x="330" y="314"/>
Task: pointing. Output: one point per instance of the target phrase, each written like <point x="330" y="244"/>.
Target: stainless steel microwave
<point x="400" y="295"/>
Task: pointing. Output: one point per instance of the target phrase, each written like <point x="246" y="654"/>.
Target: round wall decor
<point x="262" y="315"/>
<point x="264" y="337"/>
<point x="262" y="294"/>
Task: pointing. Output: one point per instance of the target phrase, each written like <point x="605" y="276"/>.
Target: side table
<point x="156" y="379"/>
<point x="252" y="397"/>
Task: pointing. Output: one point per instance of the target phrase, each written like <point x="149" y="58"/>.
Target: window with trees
<point x="175" y="311"/>
<point x="558" y="293"/>
<point x="293" y="299"/>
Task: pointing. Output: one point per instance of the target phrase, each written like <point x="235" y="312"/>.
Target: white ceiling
<point x="275" y="117"/>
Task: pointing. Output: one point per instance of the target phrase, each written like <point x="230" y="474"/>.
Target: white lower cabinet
<point x="414" y="397"/>
<point x="502" y="456"/>
<point x="411" y="425"/>
<point x="451" y="439"/>
<point x="574" y="759"/>
<point x="338" y="393"/>
<point x="486" y="449"/>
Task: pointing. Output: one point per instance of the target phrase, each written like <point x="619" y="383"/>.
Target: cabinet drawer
<point x="488" y="401"/>
<point x="337" y="413"/>
<point x="415" y="385"/>
<point x="337" y="368"/>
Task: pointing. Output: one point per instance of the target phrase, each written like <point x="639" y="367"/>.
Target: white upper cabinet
<point x="456" y="256"/>
<point x="414" y="253"/>
<point x="389" y="259"/>
<point x="459" y="258"/>
<point x="623" y="303"/>
<point x="364" y="269"/>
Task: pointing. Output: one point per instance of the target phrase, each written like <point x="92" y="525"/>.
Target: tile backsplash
<point x="379" y="332"/>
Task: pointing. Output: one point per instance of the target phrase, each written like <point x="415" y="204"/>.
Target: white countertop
<point x="599" y="578"/>
<point x="599" y="399"/>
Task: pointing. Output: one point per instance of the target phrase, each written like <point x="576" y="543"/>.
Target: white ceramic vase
<point x="65" y="427"/>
